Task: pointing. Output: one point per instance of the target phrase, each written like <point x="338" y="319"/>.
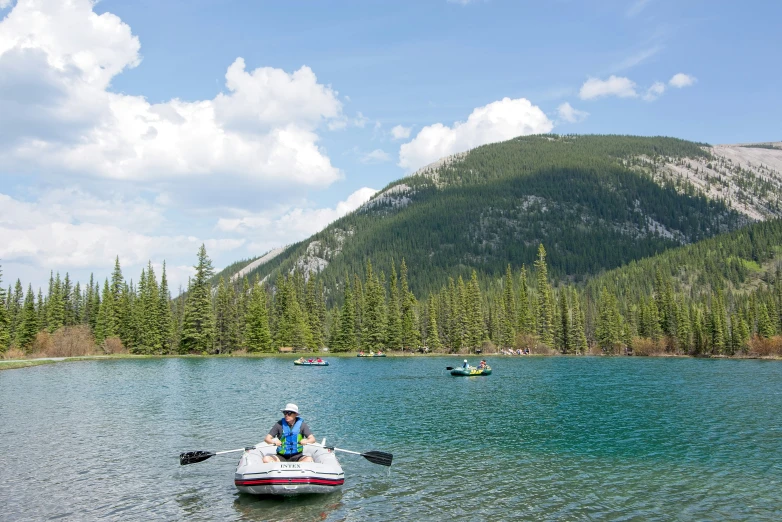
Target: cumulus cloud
<point x="376" y="156"/>
<point x="285" y="226"/>
<point x="655" y="91"/>
<point x="682" y="80"/>
<point x="400" y="133"/>
<point x="497" y="121"/>
<point x="74" y="205"/>
<point x="613" y="86"/>
<point x="567" y="113"/>
<point x="57" y="60"/>
<point x="69" y="230"/>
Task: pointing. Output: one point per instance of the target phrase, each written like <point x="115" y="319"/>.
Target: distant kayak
<point x="370" y="355"/>
<point x="471" y="371"/>
<point x="299" y="362"/>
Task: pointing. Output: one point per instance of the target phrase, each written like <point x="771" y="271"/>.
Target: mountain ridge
<point x="509" y="196"/>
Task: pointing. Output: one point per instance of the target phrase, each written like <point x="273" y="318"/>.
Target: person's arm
<point x="309" y="438"/>
<point x="273" y="436"/>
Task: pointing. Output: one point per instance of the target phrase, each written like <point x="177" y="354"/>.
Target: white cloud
<point x="637" y="58"/>
<point x="613" y="86"/>
<point x="360" y="120"/>
<point x="682" y="80"/>
<point x="71" y="231"/>
<point x="57" y="60"/>
<point x="73" y="205"/>
<point x="277" y="227"/>
<point x="655" y="91"/>
<point x="376" y="156"/>
<point x="400" y="133"/>
<point x="569" y="114"/>
<point x="497" y="121"/>
<point x="636" y="7"/>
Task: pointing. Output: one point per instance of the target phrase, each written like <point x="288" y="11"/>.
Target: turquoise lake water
<point x="555" y="438"/>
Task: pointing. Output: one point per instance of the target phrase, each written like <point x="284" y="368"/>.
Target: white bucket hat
<point x="465" y="360"/>
<point x="290" y="407"/>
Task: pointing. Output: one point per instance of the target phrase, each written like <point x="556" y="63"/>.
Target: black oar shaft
<point x="375" y="457"/>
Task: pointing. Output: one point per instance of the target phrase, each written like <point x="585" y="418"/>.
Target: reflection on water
<point x="300" y="508"/>
<point x="541" y="438"/>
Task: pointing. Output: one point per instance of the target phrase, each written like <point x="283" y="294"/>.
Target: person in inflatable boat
<point x="290" y="434"/>
<point x="466" y="365"/>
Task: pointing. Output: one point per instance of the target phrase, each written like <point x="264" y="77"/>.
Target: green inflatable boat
<point x="470" y="371"/>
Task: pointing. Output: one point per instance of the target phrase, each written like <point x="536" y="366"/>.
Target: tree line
<point x="668" y="303"/>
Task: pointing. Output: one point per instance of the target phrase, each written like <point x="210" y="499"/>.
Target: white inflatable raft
<point x="325" y="475"/>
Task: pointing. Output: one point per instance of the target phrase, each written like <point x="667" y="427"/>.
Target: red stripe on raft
<point x="275" y="482"/>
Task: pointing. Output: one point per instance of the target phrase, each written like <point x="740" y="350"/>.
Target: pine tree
<point x="313" y="312"/>
<point x="608" y="327"/>
<point x="78" y="304"/>
<point x="653" y="320"/>
<point x="456" y="333"/>
<point x="40" y="309"/>
<point x="345" y="340"/>
<point x="15" y="307"/>
<point x="765" y="326"/>
<point x="225" y="318"/>
<point x="322" y="314"/>
<point x="525" y="322"/>
<point x="545" y="318"/>
<point x="28" y="327"/>
<point x="432" y="335"/>
<point x="717" y="325"/>
<point x="507" y="330"/>
<point x="105" y="326"/>
<point x="475" y="326"/>
<point x="149" y="317"/>
<point x="577" y="339"/>
<point x="358" y="314"/>
<point x="166" y="321"/>
<point x="67" y="289"/>
<point x="198" y="330"/>
<point x="410" y="333"/>
<point x="128" y="329"/>
<point x="741" y="335"/>
<point x="242" y="303"/>
<point x="5" y="323"/>
<point x="373" y="337"/>
<point x="55" y="309"/>
<point x="563" y="323"/>
<point x="91" y="304"/>
<point x="683" y="326"/>
<point x="257" y="333"/>
<point x="394" y="320"/>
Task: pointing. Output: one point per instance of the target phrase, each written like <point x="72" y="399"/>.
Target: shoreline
<point x="13" y="364"/>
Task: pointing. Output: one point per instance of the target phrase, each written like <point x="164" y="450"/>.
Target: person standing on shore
<point x="290" y="434"/>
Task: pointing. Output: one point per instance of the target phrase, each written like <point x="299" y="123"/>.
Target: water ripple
<point x="542" y="439"/>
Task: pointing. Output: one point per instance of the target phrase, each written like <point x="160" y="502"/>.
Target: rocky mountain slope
<point x="596" y="202"/>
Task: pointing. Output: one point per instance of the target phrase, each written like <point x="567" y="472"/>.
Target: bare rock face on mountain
<point x="747" y="178"/>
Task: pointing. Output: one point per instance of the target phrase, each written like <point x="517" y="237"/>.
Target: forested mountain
<point x="596" y="202"/>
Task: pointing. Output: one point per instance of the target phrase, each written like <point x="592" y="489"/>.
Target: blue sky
<point x="142" y="129"/>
